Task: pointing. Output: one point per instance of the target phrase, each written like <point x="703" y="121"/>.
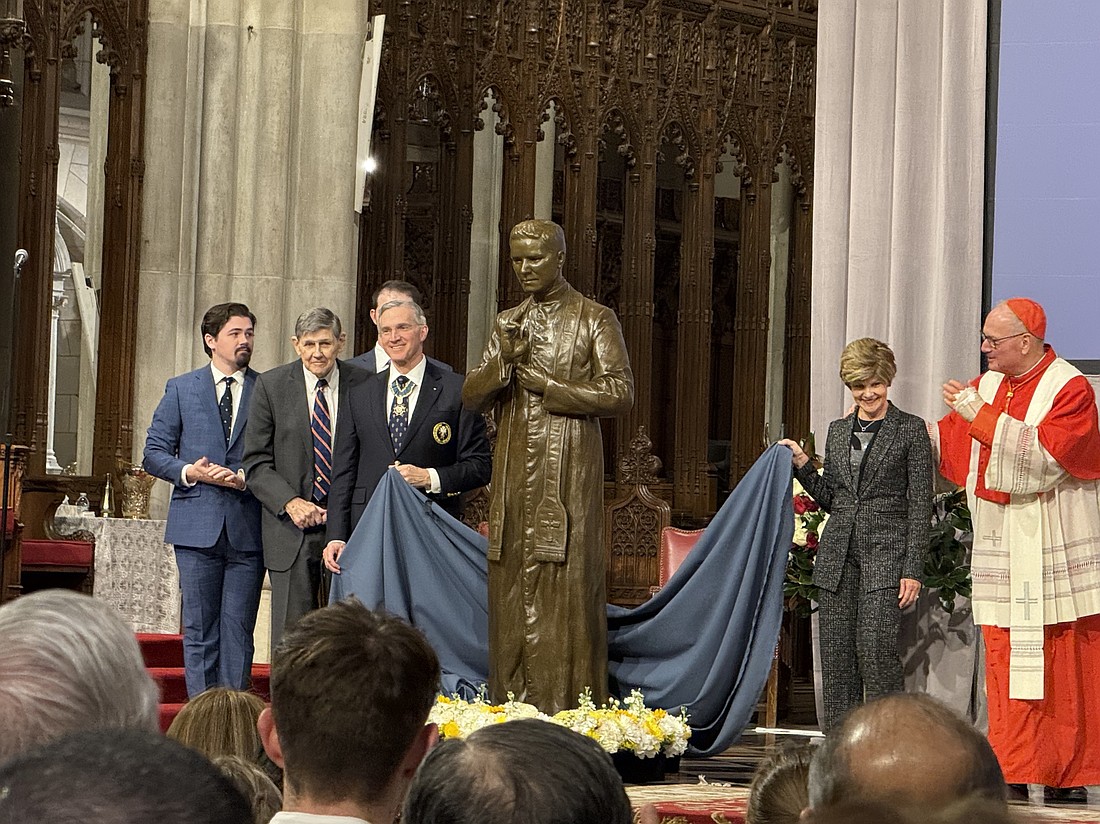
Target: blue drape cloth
<point x="704" y="642"/>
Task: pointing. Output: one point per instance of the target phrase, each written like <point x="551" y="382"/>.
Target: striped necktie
<point x="321" y="425"/>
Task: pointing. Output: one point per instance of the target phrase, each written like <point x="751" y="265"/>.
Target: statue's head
<point x="537" y="250"/>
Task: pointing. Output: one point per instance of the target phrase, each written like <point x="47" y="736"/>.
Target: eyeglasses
<point x="994" y="341"/>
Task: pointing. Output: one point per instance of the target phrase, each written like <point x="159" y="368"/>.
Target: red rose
<point x="811" y="540"/>
<point x="811" y="505"/>
<point x="801" y="504"/>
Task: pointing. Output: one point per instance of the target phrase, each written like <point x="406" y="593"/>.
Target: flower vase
<point x="635" y="770"/>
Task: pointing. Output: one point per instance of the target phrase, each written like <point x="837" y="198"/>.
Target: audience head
<point x="253" y="783"/>
<point x="117" y="776"/>
<point x="220" y="721"/>
<point x="68" y="662"/>
<point x="350" y="694"/>
<point x="904" y="749"/>
<point x="778" y="793"/>
<point x="227" y="333"/>
<point x="866" y="361"/>
<point x="526" y="771"/>
<point x="393" y="290"/>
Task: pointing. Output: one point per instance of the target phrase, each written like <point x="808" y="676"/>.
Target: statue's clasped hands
<point x="514" y="344"/>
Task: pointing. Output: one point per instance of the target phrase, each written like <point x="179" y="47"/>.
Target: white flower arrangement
<point x="616" y="726"/>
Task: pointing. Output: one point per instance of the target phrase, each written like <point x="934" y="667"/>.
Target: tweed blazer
<point x="879" y="520"/>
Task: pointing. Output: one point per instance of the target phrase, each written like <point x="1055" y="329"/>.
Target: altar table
<point x="135" y="570"/>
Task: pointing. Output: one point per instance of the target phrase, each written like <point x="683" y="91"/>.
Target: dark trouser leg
<point x="877" y="642"/>
<point x="244" y="578"/>
<point x="294" y="592"/>
<point x="201" y="573"/>
<point x="837" y="617"/>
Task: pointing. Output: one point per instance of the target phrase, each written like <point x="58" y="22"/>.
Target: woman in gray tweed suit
<point x="877" y="489"/>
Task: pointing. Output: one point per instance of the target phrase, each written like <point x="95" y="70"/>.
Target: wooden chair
<point x="675" y="546"/>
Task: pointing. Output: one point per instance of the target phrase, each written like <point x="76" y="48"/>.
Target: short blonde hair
<point x="865" y="361"/>
<point x="218" y="722"/>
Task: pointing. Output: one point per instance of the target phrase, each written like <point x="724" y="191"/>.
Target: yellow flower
<point x="450" y="730"/>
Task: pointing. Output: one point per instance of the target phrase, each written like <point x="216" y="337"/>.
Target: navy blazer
<point x="187" y="426"/>
<point x="881" y="517"/>
<point x="442" y="435"/>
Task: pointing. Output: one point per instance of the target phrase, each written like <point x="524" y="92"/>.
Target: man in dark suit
<point x="196" y="443"/>
<point x="409" y="416"/>
<point x="296" y="409"/>
<point x="375" y="359"/>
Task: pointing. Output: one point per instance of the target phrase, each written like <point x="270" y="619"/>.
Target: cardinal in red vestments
<point x="1023" y="439"/>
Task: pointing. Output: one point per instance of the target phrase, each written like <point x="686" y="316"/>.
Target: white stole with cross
<point x="1047" y="568"/>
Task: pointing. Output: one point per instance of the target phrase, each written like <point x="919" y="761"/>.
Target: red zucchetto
<point x="1031" y="314"/>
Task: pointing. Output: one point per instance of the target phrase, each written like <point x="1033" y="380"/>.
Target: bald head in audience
<point x="528" y="771"/>
<point x="906" y="749"/>
<point x="68" y="662"/>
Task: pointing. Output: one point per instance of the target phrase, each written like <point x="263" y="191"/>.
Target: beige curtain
<point x="898" y="191"/>
<point x="898" y="194"/>
<point x="249" y="165"/>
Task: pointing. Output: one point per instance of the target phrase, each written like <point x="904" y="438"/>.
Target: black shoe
<point x="1065" y="795"/>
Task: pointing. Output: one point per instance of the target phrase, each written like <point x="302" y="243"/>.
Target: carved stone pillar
<point x="39" y="156"/>
<point x="57" y="301"/>
<point x="517" y="203"/>
<point x="581" y="171"/>
<point x="796" y="378"/>
<point x="123" y="176"/>
<point x="636" y="295"/>
<point x="751" y="322"/>
<point x="691" y="486"/>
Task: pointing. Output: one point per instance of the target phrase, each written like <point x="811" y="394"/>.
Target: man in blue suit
<point x="196" y="443"/>
<point x="377" y="359"/>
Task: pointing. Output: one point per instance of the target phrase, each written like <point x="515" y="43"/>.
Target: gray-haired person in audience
<point x="68" y="662"/>
<point x="348" y="722"/>
<point x="117" y="776"/>
<point x="528" y="770"/>
<point x="908" y="750"/>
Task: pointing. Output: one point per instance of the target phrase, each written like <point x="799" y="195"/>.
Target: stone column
<point x="57" y="301"/>
<point x="251" y="113"/>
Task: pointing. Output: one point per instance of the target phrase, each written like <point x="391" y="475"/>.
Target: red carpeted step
<point x="161" y="649"/>
<point x="173" y="687"/>
<point x="261" y="680"/>
<point x="168" y="712"/>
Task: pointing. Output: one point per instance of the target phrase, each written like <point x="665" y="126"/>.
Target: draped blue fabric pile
<point x="704" y="642"/>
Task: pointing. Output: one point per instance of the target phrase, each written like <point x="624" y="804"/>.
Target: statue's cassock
<point x="547" y="592"/>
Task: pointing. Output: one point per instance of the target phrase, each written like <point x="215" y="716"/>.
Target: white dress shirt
<point x="235" y="392"/>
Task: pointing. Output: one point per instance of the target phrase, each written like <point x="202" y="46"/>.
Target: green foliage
<point x="945" y="569"/>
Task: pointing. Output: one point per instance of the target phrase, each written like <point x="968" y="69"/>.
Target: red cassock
<point x="1054" y="740"/>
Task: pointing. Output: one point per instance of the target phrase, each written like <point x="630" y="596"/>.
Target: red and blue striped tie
<point x="321" y="425"/>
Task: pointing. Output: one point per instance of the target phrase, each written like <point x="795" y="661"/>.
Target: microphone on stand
<point x="20" y="258"/>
